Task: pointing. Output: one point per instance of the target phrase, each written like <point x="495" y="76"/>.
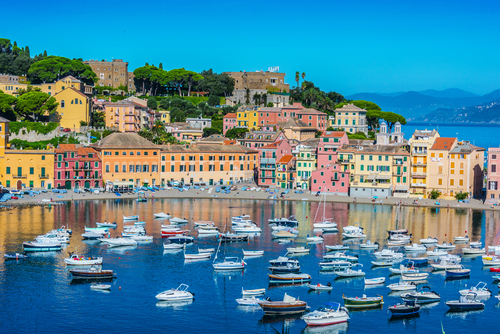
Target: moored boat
<point x="402" y="286"/>
<point x="328" y="314"/>
<point x="230" y="263"/>
<point x="374" y="281"/>
<point x="289" y="278"/>
<point x="136" y="217"/>
<point x="466" y="303"/>
<point x="252" y="253"/>
<point x="41" y="247"/>
<point x="457" y="273"/>
<point x="254" y="292"/>
<point x="423" y="295"/>
<point x="363" y="301"/>
<point x="75" y="260"/>
<point x="414" y="276"/>
<point x="162" y="215"/>
<point x="298" y="250"/>
<point x="178" y="294"/>
<point x="249" y="301"/>
<point x="15" y="256"/>
<point x="320" y="287"/>
<point x="92" y="273"/>
<point x="408" y="308"/>
<point x="289" y="305"/>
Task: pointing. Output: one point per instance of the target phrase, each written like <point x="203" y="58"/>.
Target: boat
<point x="320" y="287"/>
<point x="142" y="238"/>
<point x="473" y="251"/>
<point x="177" y="220"/>
<point x="181" y="239"/>
<point x="283" y="234"/>
<point x="252" y="301"/>
<point x="228" y="237"/>
<point x="415" y="248"/>
<point x="206" y="250"/>
<point x="461" y="239"/>
<point x="429" y="240"/>
<point x="289" y="305"/>
<point x="375" y="281"/>
<point x="336" y="247"/>
<point x="180" y="293"/>
<point x="325" y="224"/>
<point x="414" y="276"/>
<point x="328" y="314"/>
<point x="402" y="286"/>
<point x="289" y="278"/>
<point x="341" y="256"/>
<point x="445" y="245"/>
<point x="98" y="286"/>
<point x="139" y="223"/>
<point x="15" y="256"/>
<point x="402" y="231"/>
<point x="495" y="270"/>
<point x="288" y="268"/>
<point x="436" y="253"/>
<point x="417" y="260"/>
<point x="489" y="261"/>
<point x="466" y="303"/>
<point x="423" y="295"/>
<point x="75" y="260"/>
<point x="229" y="263"/>
<point x="404" y="269"/>
<point x="254" y="292"/>
<point x="353" y="235"/>
<point x="298" y="250"/>
<point x="315" y="238"/>
<point x="119" y="241"/>
<point x="252" y="253"/>
<point x="445" y="264"/>
<point x="197" y="256"/>
<point x="349" y="272"/>
<point x="478" y="244"/>
<point x="162" y="215"/>
<point x="335" y="265"/>
<point x="97" y="229"/>
<point x="480" y="290"/>
<point x="363" y="301"/>
<point x="173" y="246"/>
<point x="388" y="254"/>
<point x="383" y="263"/>
<point x="369" y="245"/>
<point x="94" y="235"/>
<point x="93" y="272"/>
<point x="247" y="229"/>
<point x="241" y="219"/>
<point x="136" y="217"/>
<point x="105" y="224"/>
<point x="34" y="246"/>
<point x="457" y="273"/>
<point x="400" y="237"/>
<point x="291" y="221"/>
<point x="283" y="261"/>
<point x="408" y="308"/>
<point x="170" y="227"/>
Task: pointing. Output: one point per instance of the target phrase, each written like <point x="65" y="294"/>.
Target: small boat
<point x="315" y="238"/>
<point x="436" y="253"/>
<point x="180" y="293"/>
<point x="230" y="263"/>
<point x="252" y="253"/>
<point x="336" y="247"/>
<point x="423" y="295"/>
<point x="173" y="246"/>
<point x="445" y="264"/>
<point x="388" y="254"/>
<point x="349" y="272"/>
<point x="139" y="223"/>
<point x="16" y="256"/>
<point x="298" y="250"/>
<point x="402" y="231"/>
<point x="353" y="235"/>
<point x="289" y="305"/>
<point x="162" y="215"/>
<point x="363" y="302"/>
<point x="283" y="234"/>
<point x="457" y="273"/>
<point x="429" y="240"/>
<point x="341" y="256"/>
<point x="203" y="223"/>
<point x="404" y="269"/>
<point x="414" y="276"/>
<point x="320" y="287"/>
<point x="252" y="301"/>
<point x="473" y="251"/>
<point x="94" y="235"/>
<point x="466" y="303"/>
<point x="96" y="229"/>
<point x="75" y="260"/>
<point x="98" y="286"/>
<point x="286" y="269"/>
<point x="328" y="314"/>
<point x="105" y="224"/>
<point x="369" y="245"/>
<point x="197" y="256"/>
<point x="119" y="241"/>
<point x="495" y="270"/>
<point x="375" y="281"/>
<point x="461" y="239"/>
<point x="142" y="238"/>
<point x="92" y="273"/>
<point x="386" y="263"/>
<point x="445" y="245"/>
<point x="136" y="217"/>
<point x="289" y="278"/>
<point x="480" y="290"/>
<point x="415" y="248"/>
<point x="206" y="250"/>
<point x="254" y="292"/>
<point x="417" y="260"/>
<point x="181" y="239"/>
<point x="408" y="308"/>
<point x="283" y="261"/>
<point x="41" y="246"/>
<point x="177" y="220"/>
<point x="247" y="229"/>
<point x="229" y="237"/>
<point x="402" y="286"/>
<point x="335" y="265"/>
<point x="170" y="227"/>
<point x="478" y="244"/>
<point x="325" y="224"/>
<point x="169" y="232"/>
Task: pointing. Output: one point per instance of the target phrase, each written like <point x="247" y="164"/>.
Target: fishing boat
<point x="423" y="295"/>
<point x="335" y="265"/>
<point x="445" y="245"/>
<point x="298" y="250"/>
<point x="249" y="301"/>
<point x="289" y="278"/>
<point x="76" y="260"/>
<point x="404" y="269"/>
<point x="408" y="308"/>
<point x="91" y="273"/>
<point x="119" y="241"/>
<point x="106" y="224"/>
<point x="429" y="240"/>
<point x="369" y="245"/>
<point x="402" y="286"/>
<point x="286" y="269"/>
<point x="473" y="251"/>
<point x="252" y="253"/>
<point x="181" y="239"/>
<point x="363" y="301"/>
<point x="414" y="276"/>
<point x="466" y="303"/>
<point x="173" y="246"/>
<point x="415" y="248"/>
<point x="349" y="272"/>
<point x="374" y="281"/>
<point x="162" y="215"/>
<point x="480" y="290"/>
<point x="328" y="314"/>
<point x="180" y="293"/>
<point x="98" y="286"/>
<point x="336" y="247"/>
<point x="254" y="292"/>
<point x="457" y="273"/>
<point x="289" y="305"/>
<point x="178" y="221"/>
<point x="283" y="234"/>
<point x="34" y="246"/>
<point x="136" y="217"/>
<point x="320" y="287"/>
<point x="15" y="256"/>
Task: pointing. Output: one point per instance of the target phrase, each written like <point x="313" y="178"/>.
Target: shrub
<point x="434" y="194"/>
<point x="38" y="127"/>
<point x="461" y="196"/>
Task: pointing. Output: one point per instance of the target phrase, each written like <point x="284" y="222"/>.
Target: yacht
<point x="180" y="293"/>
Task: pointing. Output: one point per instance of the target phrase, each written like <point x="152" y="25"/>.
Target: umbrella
<point x="375" y="197"/>
<point x="92" y="137"/>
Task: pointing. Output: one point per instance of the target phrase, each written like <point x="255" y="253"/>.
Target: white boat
<point x="402" y="286"/>
<point x="229" y="263"/>
<point x="436" y="253"/>
<point x="445" y="264"/>
<point x="173" y="246"/>
<point x="477" y="244"/>
<point x="206" y="250"/>
<point x="75" y="260"/>
<point x="285" y="228"/>
<point x="254" y="292"/>
<point x="387" y="254"/>
<point x="177" y="220"/>
<point x="119" y="241"/>
<point x="325" y="224"/>
<point x="353" y="235"/>
<point x="374" y="281"/>
<point x="328" y="314"/>
<point x="429" y="240"/>
<point x="341" y="256"/>
<point x="315" y="238"/>
<point x="336" y="247"/>
<point x="170" y="228"/>
<point x="162" y="215"/>
<point x="203" y="223"/>
<point x="197" y="256"/>
<point x="208" y="231"/>
<point x="320" y="287"/>
<point x="491" y="260"/>
<point x="136" y="217"/>
<point x="400" y="237"/>
<point x="414" y="276"/>
<point x="369" y="245"/>
<point x="142" y="238"/>
<point x="94" y="235"/>
<point x="298" y="250"/>
<point x="283" y="234"/>
<point x="415" y="248"/>
<point x="52" y="240"/>
<point x="383" y="263"/>
<point x="403" y="269"/>
<point x="445" y="245"/>
<point x="480" y="290"/>
<point x="466" y="238"/>
<point x="349" y="272"/>
<point x="473" y="251"/>
<point x="98" y="286"/>
<point x="353" y="228"/>
<point x="138" y="224"/>
<point x="335" y="265"/>
<point x="252" y="253"/>
<point x="251" y="301"/>
<point x="248" y="229"/>
<point x="180" y="293"/>
<point x="106" y="224"/>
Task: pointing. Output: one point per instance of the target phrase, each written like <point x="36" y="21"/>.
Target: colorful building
<point x="493" y="181"/>
<point x="258" y="139"/>
<point x="76" y="167"/>
<point x="351" y="119"/>
<point x="331" y="180"/>
<point x="329" y="143"/>
<point x="124" y="116"/>
<point x="305" y="164"/>
<point x="270" y="155"/>
<point x="248" y="118"/>
<point x="286" y="172"/>
<point x="420" y="144"/>
<point x="74" y="107"/>
<point x="314" y="118"/>
<point x="294" y="128"/>
<point x="229" y="122"/>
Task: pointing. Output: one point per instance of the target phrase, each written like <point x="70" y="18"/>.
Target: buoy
<point x="119" y="258"/>
<point x="306" y="216"/>
<point x="445" y="234"/>
<point x="119" y="288"/>
<point x="127" y="252"/>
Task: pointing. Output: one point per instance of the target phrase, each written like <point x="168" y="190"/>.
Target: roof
<point x="75" y="90"/>
<point x="425" y="133"/>
<point x="125" y="140"/>
<point x="443" y="143"/>
<point x="285" y="159"/>
<point x="466" y="147"/>
<point x="333" y="134"/>
<point x="70" y="77"/>
<point x="349" y="107"/>
<point x="295" y="122"/>
<point x="230" y="115"/>
<point x="359" y="147"/>
<point x="209" y="148"/>
<point x="123" y="103"/>
<point x="273" y="145"/>
<point x="214" y="138"/>
<point x="310" y="111"/>
<point x="4" y="120"/>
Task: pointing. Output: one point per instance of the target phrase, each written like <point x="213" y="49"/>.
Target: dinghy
<point x="402" y="286"/>
<point x="177" y="220"/>
<point x="97" y="286"/>
<point x="162" y="215"/>
<point x="363" y="301"/>
<point x="375" y="281"/>
<point x="328" y="314"/>
<point x="414" y="276"/>
<point x="369" y="245"/>
<point x="252" y="253"/>
<point x="320" y="287"/>
<point x="252" y="301"/>
<point x="136" y="217"/>
<point x="298" y="250"/>
<point x="349" y="272"/>
<point x="105" y="224"/>
<point x="429" y="240"/>
<point x="254" y="292"/>
<point x="289" y="305"/>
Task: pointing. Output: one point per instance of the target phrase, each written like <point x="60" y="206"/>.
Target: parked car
<point x="66" y="130"/>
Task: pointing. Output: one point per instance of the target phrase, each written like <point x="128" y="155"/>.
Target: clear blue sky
<point x="345" y="46"/>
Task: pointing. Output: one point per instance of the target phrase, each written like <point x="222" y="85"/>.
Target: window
<point x="107" y="168"/>
<point x="493" y="168"/>
<point x="172" y="158"/>
<point x="493" y="156"/>
<point x="440" y="155"/>
<point x="146" y="153"/>
<point x="362" y="157"/>
<point x="452" y="182"/>
<point x="433" y="155"/>
<point x="117" y="153"/>
<point x="163" y="168"/>
<point x="32" y="170"/>
<point x="138" y="153"/>
<point x="370" y="158"/>
<point x="440" y="182"/>
<point x="172" y="168"/>
<point x="62" y="103"/>
<point x="440" y="169"/>
<point x="131" y="168"/>
<point x="379" y="158"/>
<point x="145" y="168"/>
<point x="452" y="165"/>
<point x="116" y="168"/>
<point x="154" y="168"/>
<point x="461" y="172"/>
<point x="461" y="182"/>
<point x="137" y="168"/>
<point x="7" y="170"/>
<point x="43" y="157"/>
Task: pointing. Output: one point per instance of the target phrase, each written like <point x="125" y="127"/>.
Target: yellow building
<point x="21" y="169"/>
<point x="248" y="118"/>
<point x="305" y="164"/>
<point x="165" y="116"/>
<point x="351" y="119"/>
<point x="74" y="107"/>
<point x="420" y="144"/>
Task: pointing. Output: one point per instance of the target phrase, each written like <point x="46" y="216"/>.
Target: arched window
<point x="62" y="104"/>
<point x="76" y="101"/>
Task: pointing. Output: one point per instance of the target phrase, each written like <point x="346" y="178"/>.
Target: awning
<point x="370" y="177"/>
<point x="402" y="187"/>
<point x="146" y="180"/>
<point x="383" y="177"/>
<point x="122" y="183"/>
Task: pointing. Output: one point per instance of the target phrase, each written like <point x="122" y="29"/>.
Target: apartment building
<point x="492" y="185"/>
<point x="329" y="143"/>
<point x="351" y="119"/>
<point x="76" y="166"/>
<point x="331" y="180"/>
<point x="270" y="155"/>
<point x="229" y="122"/>
<point x="420" y="145"/>
<point x="305" y="164"/>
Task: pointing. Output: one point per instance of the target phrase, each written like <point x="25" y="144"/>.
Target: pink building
<point x="492" y="186"/>
<point x="331" y="180"/>
<point x="328" y="145"/>
<point x="314" y="118"/>
<point x="269" y="157"/>
<point x="229" y="122"/>
<point x="258" y="139"/>
<point x="311" y="117"/>
<point x="77" y="167"/>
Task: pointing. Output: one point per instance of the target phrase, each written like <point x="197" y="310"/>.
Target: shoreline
<point x="209" y="193"/>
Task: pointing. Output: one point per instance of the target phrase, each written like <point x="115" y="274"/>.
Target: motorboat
<point x="97" y="229"/>
<point x="202" y="223"/>
<point x="387" y="254"/>
<point x="400" y="237"/>
<point x="283" y="260"/>
<point x="15" y="256"/>
<point x="107" y="224"/>
<point x="230" y="263"/>
<point x="119" y="241"/>
<point x="162" y="215"/>
<point x="178" y="221"/>
<point x="289" y="278"/>
<point x="495" y="270"/>
<point x="335" y="265"/>
<point x="173" y="246"/>
<point x="477" y="244"/>
<point x="466" y="303"/>
<point x="320" y="287"/>
<point x="436" y="253"/>
<point x="34" y="246"/>
<point x="457" y="273"/>
<point x="283" y="234"/>
<point x="181" y="239"/>
<point x="167" y="233"/>
<point x="404" y="269"/>
<point x="445" y="264"/>
<point x="325" y="224"/>
<point x="423" y="295"/>
<point x="445" y="245"/>
<point x="94" y="272"/>
<point x="363" y="301"/>
<point x="401" y="231"/>
<point x="285" y="228"/>
<point x="341" y="256"/>
<point x="369" y="245"/>
<point x="315" y="238"/>
<point x="76" y="260"/>
<point x="408" y="308"/>
<point x="254" y="292"/>
<point x="94" y="235"/>
<point x="180" y="293"/>
<point x="289" y="305"/>
<point x="248" y="253"/>
<point x="336" y="247"/>
<point x="143" y="238"/>
<point x="353" y="228"/>
<point x="473" y="251"/>
<point x="52" y="239"/>
<point x="397" y="243"/>
<point x="491" y="260"/>
<point x="206" y="250"/>
<point x="170" y="227"/>
<point x="353" y="235"/>
<point x="429" y="240"/>
<point x="136" y="217"/>
<point x="415" y="248"/>
<point x="327" y="314"/>
<point x="139" y="224"/>
<point x="249" y="301"/>
<point x="480" y="290"/>
<point x="298" y="250"/>
<point x="350" y="272"/>
<point x="402" y="286"/>
<point x="288" y="268"/>
<point x="247" y="229"/>
<point x="208" y="230"/>
<point x="383" y="263"/>
<point x="241" y="219"/>
<point x="292" y="220"/>
<point x="229" y="237"/>
<point x="198" y="256"/>
<point x="374" y="281"/>
<point x="461" y="239"/>
<point x="414" y="276"/>
<point x="98" y="286"/>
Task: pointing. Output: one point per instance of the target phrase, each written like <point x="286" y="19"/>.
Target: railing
<point x="333" y="178"/>
<point x="268" y="161"/>
<point x="343" y="161"/>
<point x="82" y="168"/>
<point x="397" y="163"/>
<point x="267" y="167"/>
<point x="44" y="176"/>
<point x="419" y="185"/>
<point x="304" y="178"/>
<point x="19" y="176"/>
<point x="419" y="152"/>
<point x="419" y="163"/>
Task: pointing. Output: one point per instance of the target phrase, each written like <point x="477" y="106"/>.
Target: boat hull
<point x="81" y="274"/>
<point x="326" y="321"/>
<point x="362" y="302"/>
<point x="464" y="306"/>
<point x="41" y="248"/>
<point x="283" y="308"/>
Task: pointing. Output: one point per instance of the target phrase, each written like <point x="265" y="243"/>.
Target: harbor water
<point x="38" y="295"/>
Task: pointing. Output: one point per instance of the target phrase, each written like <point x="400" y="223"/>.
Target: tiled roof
<point x="66" y="148"/>
<point x="349" y="107"/>
<point x="4" y="120"/>
<point x="443" y="143"/>
<point x="230" y="115"/>
<point x="215" y="148"/>
<point x="76" y="91"/>
<point x="311" y="111"/>
<point x="125" y="140"/>
<point x="295" y="122"/>
<point x="285" y="159"/>
<point x="273" y="145"/>
<point x="335" y="134"/>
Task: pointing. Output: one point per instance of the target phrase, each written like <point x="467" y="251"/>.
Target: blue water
<point x="37" y="295"/>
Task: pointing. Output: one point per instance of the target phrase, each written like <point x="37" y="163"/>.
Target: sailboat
<point x="229" y="263"/>
<point x="326" y="223"/>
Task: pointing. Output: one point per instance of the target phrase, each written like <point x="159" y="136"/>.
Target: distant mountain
<point x="451" y="93"/>
<point x="484" y="113"/>
<point x="415" y="105"/>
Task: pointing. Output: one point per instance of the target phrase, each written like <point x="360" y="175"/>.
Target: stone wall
<point x="24" y="134"/>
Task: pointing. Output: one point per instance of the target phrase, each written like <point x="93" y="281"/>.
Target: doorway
<point x="19" y="185"/>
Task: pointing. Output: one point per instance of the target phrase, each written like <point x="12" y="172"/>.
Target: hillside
<point x="484" y="113"/>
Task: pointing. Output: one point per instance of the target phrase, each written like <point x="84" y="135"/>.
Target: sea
<point x="38" y="295"/>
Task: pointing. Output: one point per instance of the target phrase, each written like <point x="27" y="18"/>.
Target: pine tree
<point x="45" y="53"/>
<point x="27" y="51"/>
<point x="161" y="66"/>
<point x="15" y="43"/>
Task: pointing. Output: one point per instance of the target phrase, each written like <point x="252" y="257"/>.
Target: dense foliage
<point x="15" y="60"/>
<point x="215" y="84"/>
<point x="38" y="127"/>
<point x="53" y="68"/>
<point x="158" y="135"/>
<point x="152" y="80"/>
<point x="313" y="97"/>
<point x="42" y="145"/>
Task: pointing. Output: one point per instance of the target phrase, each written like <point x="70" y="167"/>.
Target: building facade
<point x="420" y="144"/>
<point x="329" y="143"/>
<point x="77" y="167"/>
<point x="305" y="164"/>
<point x="331" y="180"/>
<point x="270" y="155"/>
<point x="112" y="73"/>
<point x="493" y="181"/>
<point x="351" y="119"/>
<point x="229" y="122"/>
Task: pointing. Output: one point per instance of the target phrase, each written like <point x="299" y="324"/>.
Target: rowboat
<point x="197" y="256"/>
<point x="173" y="246"/>
<point x="375" y="281"/>
<point x="105" y="224"/>
<point x="328" y="314"/>
<point x="254" y="292"/>
<point x="15" y="256"/>
<point x="97" y="286"/>
<point x="320" y="287"/>
<point x="363" y="302"/>
<point x="289" y="305"/>
<point x="252" y="253"/>
<point x="136" y="217"/>
<point x="289" y="278"/>
<point x="283" y="234"/>
<point x="92" y="273"/>
<point x="402" y="286"/>
<point x="298" y="250"/>
<point x="414" y="276"/>
<point x="177" y="220"/>
<point x="252" y="301"/>
<point x="41" y="247"/>
<point x="75" y="260"/>
<point x="457" y="273"/>
<point x="162" y="215"/>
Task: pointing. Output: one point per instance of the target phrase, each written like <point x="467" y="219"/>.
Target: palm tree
<point x="297" y="78"/>
<point x="256" y="98"/>
<point x="303" y="75"/>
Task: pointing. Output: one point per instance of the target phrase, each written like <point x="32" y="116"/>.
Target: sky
<point x="344" y="46"/>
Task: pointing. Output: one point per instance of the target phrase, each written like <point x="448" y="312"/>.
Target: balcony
<point x="44" y="176"/>
<point x="304" y="178"/>
<point x="19" y="176"/>
<point x="419" y="185"/>
<point x="343" y="161"/>
<point x="395" y="172"/>
<point x="82" y="168"/>
<point x="419" y="153"/>
<point x="397" y="163"/>
<point x="333" y="178"/>
<point x="419" y="163"/>
<point x="267" y="167"/>
<point x="268" y="161"/>
<point x="419" y="174"/>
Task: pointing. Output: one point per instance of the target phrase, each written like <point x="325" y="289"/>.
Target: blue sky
<point x="344" y="46"/>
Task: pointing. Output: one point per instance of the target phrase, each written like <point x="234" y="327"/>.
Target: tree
<point x="146" y="133"/>
<point x="434" y="194"/>
<point x="297" y="77"/>
<point x="83" y="123"/>
<point x="152" y="103"/>
<point x="330" y="128"/>
<point x="392" y="118"/>
<point x="35" y="103"/>
<point x="461" y="196"/>
<point x="98" y="119"/>
<point x="213" y="100"/>
<point x="247" y="96"/>
<point x="256" y="98"/>
<point x="303" y="75"/>
<point x="53" y="68"/>
<point x="7" y="103"/>
<point x="207" y="132"/>
<point x="270" y="104"/>
<point x="216" y="84"/>
<point x="180" y="77"/>
<point x="236" y="133"/>
<point x="123" y="88"/>
<point x="373" y="119"/>
<point x="318" y="134"/>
